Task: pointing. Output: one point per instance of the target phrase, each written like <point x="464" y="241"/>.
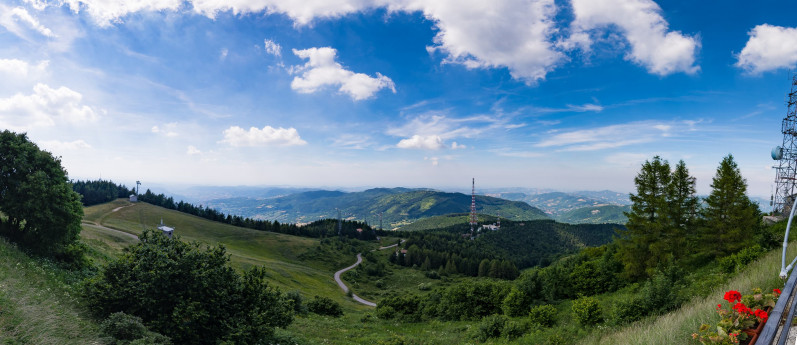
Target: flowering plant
<point x="743" y="312"/>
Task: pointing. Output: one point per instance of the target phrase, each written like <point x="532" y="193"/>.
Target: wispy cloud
<point x="615" y="135"/>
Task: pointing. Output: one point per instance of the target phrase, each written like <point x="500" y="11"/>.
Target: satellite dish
<point x="777" y="153"/>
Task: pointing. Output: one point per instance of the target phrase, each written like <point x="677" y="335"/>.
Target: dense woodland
<point x="668" y="234"/>
<point x="100" y="191"/>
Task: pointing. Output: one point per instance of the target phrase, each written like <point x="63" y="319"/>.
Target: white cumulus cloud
<point x="431" y="142"/>
<point x="769" y="47"/>
<point x="512" y="34"/>
<point x="268" y="136"/>
<point x="44" y="107"/>
<point x="168" y="130"/>
<point x="322" y="70"/>
<point x="653" y="45"/>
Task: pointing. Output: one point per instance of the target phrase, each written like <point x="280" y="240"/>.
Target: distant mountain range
<point x="399" y="206"/>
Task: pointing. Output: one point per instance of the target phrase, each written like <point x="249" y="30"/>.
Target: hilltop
<point x="398" y="206"/>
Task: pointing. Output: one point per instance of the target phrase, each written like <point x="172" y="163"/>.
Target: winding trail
<point x="359" y="260"/>
<point x="346" y="288"/>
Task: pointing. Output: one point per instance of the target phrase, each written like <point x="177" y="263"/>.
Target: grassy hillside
<point x="38" y="303"/>
<point x="676" y="327"/>
<point x="444" y="221"/>
<point x="292" y="263"/>
<point x="399" y="206"/>
<point x="595" y="215"/>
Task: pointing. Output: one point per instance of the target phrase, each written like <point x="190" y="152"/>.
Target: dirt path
<point x="119" y="232"/>
<point x="359" y="260"/>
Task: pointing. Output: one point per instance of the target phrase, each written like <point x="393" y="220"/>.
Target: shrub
<point x="472" y="300"/>
<point x="490" y="327"/>
<point x="159" y="278"/>
<point x="544" y="315"/>
<point x="325" y="306"/>
<point x="515" y="329"/>
<point x="385" y="312"/>
<point x="297" y="302"/>
<point x="432" y="275"/>
<point x="124" y="329"/>
<point x="587" y="311"/>
<point x="516" y="303"/>
<point x="628" y="311"/>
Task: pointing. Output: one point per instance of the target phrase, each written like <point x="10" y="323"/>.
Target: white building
<point x="168" y="231"/>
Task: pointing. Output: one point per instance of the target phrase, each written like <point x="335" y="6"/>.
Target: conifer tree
<point x="682" y="208"/>
<point x="640" y="249"/>
<point x="730" y="219"/>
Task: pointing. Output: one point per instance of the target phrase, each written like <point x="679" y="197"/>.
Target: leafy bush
<point x="490" y="327"/>
<point x="160" y="278"/>
<point x="543" y="315"/>
<point x="432" y="275"/>
<point x="406" y="307"/>
<point x="628" y="311"/>
<point x="297" y="302"/>
<point x="587" y="311"/>
<point x="124" y="329"/>
<point x="516" y="303"/>
<point x="472" y="300"/>
<point x="515" y="329"/>
<point x="385" y="312"/>
<point x="325" y="306"/>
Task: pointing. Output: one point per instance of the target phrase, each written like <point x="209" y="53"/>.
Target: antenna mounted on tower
<point x="786" y="155"/>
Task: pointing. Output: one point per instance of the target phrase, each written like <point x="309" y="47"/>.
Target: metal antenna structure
<point x="380" y="221"/>
<point x="473" y="206"/>
<point x="786" y="155"/>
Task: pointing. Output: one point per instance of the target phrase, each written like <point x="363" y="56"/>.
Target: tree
<point x="41" y="210"/>
<point x="640" y="249"/>
<point x="730" y="219"/>
<point x="682" y="208"/>
<point x="188" y="293"/>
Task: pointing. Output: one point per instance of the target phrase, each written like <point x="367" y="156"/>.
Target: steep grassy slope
<point x="38" y="303"/>
<point x="398" y="206"/>
<point x="292" y="263"/>
<point x="595" y="215"/>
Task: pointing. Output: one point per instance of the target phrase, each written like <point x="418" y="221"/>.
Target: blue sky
<point x="568" y="95"/>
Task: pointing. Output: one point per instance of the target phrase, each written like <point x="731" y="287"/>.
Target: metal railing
<point x="770" y="330"/>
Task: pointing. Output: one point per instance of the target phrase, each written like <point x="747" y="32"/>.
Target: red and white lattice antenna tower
<point x="473" y="207"/>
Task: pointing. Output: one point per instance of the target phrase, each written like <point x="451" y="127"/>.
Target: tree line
<point x="100" y="191"/>
<point x="316" y="229"/>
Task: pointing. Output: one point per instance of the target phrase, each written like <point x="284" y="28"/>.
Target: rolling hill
<point x="595" y="215"/>
<point x="399" y="206"/>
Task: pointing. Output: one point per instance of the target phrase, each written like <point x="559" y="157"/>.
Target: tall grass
<point x="38" y="302"/>
<point x="677" y="327"/>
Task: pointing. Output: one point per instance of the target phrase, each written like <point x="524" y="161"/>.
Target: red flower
<point x="732" y="296"/>
<point x="761" y="315"/>
<point x="741" y="308"/>
<point x="776" y="291"/>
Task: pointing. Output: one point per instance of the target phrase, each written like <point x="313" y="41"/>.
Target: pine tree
<point x="640" y="249"/>
<point x="682" y="208"/>
<point x="730" y="219"/>
<point x="484" y="268"/>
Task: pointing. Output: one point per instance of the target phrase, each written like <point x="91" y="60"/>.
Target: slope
<point x="38" y="302"/>
<point x="398" y="206"/>
<point x="291" y="262"/>
<point x="595" y="215"/>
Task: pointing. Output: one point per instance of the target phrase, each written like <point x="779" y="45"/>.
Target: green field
<point x="279" y="254"/>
